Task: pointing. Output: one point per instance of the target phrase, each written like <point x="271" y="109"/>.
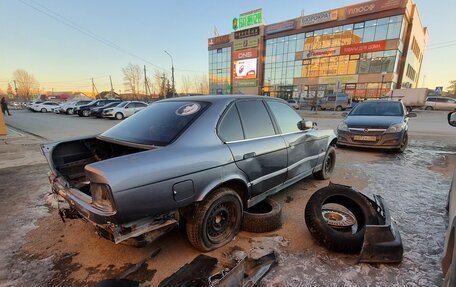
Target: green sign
<point x="248" y="19"/>
<point x="246" y="83"/>
<point x="245" y="44"/>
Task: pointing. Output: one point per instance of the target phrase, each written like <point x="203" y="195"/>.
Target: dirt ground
<point x="40" y="250"/>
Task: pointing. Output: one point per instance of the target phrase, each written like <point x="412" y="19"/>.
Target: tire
<point x="429" y="108"/>
<point x="70" y="111"/>
<point x="337" y="239"/>
<point x="404" y="144"/>
<point x="266" y="216"/>
<point x="204" y="230"/>
<point x="43" y="110"/>
<point x="119" y="116"/>
<point x="328" y="164"/>
<point x="409" y="109"/>
<point x="85" y="113"/>
<point x="338" y="108"/>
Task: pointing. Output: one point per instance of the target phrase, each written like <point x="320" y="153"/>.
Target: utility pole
<point x="15" y="87"/>
<point x="172" y="73"/>
<point x="112" y="88"/>
<point x="163" y="85"/>
<point x="94" y="88"/>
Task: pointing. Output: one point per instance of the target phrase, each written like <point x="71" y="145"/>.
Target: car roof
<point x="219" y="98"/>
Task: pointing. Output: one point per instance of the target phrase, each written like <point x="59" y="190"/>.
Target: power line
<point x="85" y="31"/>
<point x="438" y="44"/>
<point x="445" y="46"/>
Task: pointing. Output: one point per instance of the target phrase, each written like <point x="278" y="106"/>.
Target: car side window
<point x="230" y="128"/>
<point x="255" y="119"/>
<point x="140" y="105"/>
<point x="286" y="117"/>
<point x="130" y="105"/>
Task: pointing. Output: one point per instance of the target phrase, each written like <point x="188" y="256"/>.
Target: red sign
<point x="363" y="48"/>
<point x="245" y="54"/>
<point x="218" y="40"/>
<point x="372" y="7"/>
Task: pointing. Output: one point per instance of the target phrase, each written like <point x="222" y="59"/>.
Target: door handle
<point x="249" y="155"/>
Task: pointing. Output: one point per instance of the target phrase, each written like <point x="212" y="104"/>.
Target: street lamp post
<point x="172" y="71"/>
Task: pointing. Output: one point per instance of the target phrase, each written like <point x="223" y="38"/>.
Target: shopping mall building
<point x="363" y="50"/>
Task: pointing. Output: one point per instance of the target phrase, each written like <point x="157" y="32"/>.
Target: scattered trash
<point x="262" y="246"/>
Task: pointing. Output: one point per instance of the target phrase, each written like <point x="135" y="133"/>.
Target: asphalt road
<point x="427" y="124"/>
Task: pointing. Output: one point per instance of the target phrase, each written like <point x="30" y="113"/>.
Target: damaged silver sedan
<point x="197" y="160"/>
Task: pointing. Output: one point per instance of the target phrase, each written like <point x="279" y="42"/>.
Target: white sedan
<point x="45" y="107"/>
<point x="124" y="110"/>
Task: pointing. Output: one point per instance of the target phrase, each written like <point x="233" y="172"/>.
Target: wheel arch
<point x="237" y="183"/>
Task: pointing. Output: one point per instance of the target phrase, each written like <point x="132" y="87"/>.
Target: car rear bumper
<point x="382" y="141"/>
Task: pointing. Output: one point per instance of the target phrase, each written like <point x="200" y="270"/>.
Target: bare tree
<point x="26" y="83"/>
<point x="132" y="78"/>
<point x="186" y="84"/>
<point x="160" y="80"/>
<point x="201" y="84"/>
<point x="9" y="90"/>
<point x="452" y="87"/>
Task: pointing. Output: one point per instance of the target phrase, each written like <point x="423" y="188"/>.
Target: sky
<point x="116" y="33"/>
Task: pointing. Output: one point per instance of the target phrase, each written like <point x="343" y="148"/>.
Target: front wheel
<point x="403" y="145"/>
<point x="119" y="116"/>
<point x="429" y="108"/>
<point x="85" y="113"/>
<point x="328" y="164"/>
<point x="338" y="108"/>
<point x="216" y="220"/>
<point x="70" y="111"/>
<point x="43" y="110"/>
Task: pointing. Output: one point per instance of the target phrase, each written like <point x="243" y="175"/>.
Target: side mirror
<point x="411" y="115"/>
<point x="305" y="125"/>
<point x="344" y="114"/>
<point x="452" y="119"/>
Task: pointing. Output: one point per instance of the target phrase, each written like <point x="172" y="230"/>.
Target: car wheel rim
<point x="338" y="219"/>
<point x="219" y="222"/>
<point x="85" y="113"/>
<point x="328" y="164"/>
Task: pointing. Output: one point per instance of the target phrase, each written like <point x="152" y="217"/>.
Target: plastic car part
<point x="265" y="216"/>
<point x="334" y="238"/>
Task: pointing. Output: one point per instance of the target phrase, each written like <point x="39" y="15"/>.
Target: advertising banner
<point x="248" y="19"/>
<point x="245" y="69"/>
<point x="333" y="80"/>
<point x="372" y="7"/>
<point x="328" y="52"/>
<point x="363" y="48"/>
<point x="255" y="31"/>
<point x="318" y="18"/>
<point x="218" y="40"/>
<point x="246" y="83"/>
<point x="280" y="27"/>
<point x="245" y="44"/>
<point x="245" y="54"/>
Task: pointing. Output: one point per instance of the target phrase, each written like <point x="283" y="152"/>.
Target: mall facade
<point x="363" y="50"/>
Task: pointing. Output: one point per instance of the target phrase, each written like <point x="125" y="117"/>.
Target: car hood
<point x="372" y="121"/>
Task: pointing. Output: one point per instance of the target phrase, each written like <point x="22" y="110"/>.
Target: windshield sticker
<point x="188" y="109"/>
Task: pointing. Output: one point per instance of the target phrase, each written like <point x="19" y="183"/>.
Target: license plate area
<point x="365" y="138"/>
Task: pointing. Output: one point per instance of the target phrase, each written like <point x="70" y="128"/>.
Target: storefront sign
<point x="280" y="27"/>
<point x="255" y="31"/>
<point x="245" y="54"/>
<point x="328" y="52"/>
<point x="246" y="83"/>
<point x="318" y="18"/>
<point x="363" y="48"/>
<point x="372" y="7"/>
<point x="332" y="80"/>
<point x="245" y="44"/>
<point x="218" y="40"/>
<point x="245" y="69"/>
<point x="248" y="19"/>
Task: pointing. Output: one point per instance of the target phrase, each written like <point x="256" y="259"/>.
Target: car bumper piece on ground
<point x="382" y="242"/>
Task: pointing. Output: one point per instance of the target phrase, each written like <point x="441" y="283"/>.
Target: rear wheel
<point x="338" y="108"/>
<point x="70" y="111"/>
<point x="216" y="220"/>
<point x="85" y="113"/>
<point x="119" y="116"/>
<point x="409" y="109"/>
<point x="428" y="108"/>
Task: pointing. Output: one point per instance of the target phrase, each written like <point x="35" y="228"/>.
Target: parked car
<point x="202" y="159"/>
<point x="376" y="124"/>
<point x="449" y="258"/>
<point x="31" y="105"/>
<point x="84" y="110"/>
<point x="412" y="98"/>
<point x="124" y="110"/>
<point x="45" y="107"/>
<point x="68" y="108"/>
<point x="294" y="104"/>
<point x="440" y="103"/>
<point x="338" y="102"/>
<point x="98" y="111"/>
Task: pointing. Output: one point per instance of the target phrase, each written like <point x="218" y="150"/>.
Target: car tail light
<point x="101" y="197"/>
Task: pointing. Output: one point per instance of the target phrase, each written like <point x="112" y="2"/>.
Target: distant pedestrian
<point x="313" y="104"/>
<point x="5" y="107"/>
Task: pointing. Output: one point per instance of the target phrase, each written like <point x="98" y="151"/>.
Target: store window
<point x="220" y="71"/>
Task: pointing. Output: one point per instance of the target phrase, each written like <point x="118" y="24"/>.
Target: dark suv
<point x="84" y="111"/>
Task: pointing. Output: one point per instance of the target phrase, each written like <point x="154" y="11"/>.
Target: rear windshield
<point x="159" y="124"/>
<point x="378" y="109"/>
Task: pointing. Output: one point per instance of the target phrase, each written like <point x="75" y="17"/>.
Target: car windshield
<point x="158" y="124"/>
<point x="378" y="109"/>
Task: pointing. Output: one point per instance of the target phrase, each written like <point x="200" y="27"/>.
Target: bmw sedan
<point x="376" y="124"/>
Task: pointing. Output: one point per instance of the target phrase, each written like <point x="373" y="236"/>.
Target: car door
<point x="304" y="148"/>
<point x="140" y="106"/>
<point x="129" y="109"/>
<point x="261" y="153"/>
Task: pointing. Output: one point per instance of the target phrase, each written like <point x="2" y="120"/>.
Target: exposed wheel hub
<point x="218" y="221"/>
<point x="338" y="219"/>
